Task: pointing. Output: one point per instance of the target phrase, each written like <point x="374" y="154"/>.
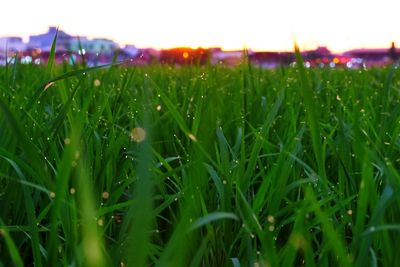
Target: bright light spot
<point x="336" y="60"/>
<point x="158" y="107"/>
<point x="271" y="219"/>
<point x="185" y="55"/>
<point x="67" y="141"/>
<point x="192" y="137"/>
<point x="307" y="65"/>
<point x="26" y="60"/>
<point x="52" y="194"/>
<point x="138" y="134"/>
<point x="97" y="83"/>
<point x="332" y="64"/>
<point x="105" y="195"/>
<point x="349" y="212"/>
<point x="82" y="52"/>
<point x="349" y="65"/>
<point x="72" y="191"/>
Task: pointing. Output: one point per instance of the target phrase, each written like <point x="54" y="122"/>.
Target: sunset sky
<point x="233" y="24"/>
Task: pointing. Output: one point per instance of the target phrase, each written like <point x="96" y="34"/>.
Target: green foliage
<point x="199" y="166"/>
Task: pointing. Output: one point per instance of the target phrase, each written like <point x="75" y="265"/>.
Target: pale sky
<point x="231" y="24"/>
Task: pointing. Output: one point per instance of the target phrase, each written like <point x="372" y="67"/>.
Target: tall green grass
<point x="239" y="166"/>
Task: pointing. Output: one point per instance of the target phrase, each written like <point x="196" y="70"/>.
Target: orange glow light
<point x="336" y="60"/>
<point x="185" y="55"/>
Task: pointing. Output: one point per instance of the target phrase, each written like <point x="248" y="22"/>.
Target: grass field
<point x="199" y="166"/>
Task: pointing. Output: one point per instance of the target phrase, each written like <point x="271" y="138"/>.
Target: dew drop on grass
<point x="96" y="83"/>
<point x="270" y="219"/>
<point x="192" y="137"/>
<point x="105" y="195"/>
<point x="350" y="212"/>
<point x="138" y="134"/>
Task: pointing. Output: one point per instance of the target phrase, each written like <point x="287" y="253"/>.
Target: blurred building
<point x="97" y="46"/>
<point x="44" y="41"/>
<point x="9" y="47"/>
<point x="12" y="44"/>
<point x="375" y="56"/>
<point x="271" y="59"/>
<point x="230" y="58"/>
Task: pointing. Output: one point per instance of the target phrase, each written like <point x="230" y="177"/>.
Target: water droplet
<point x="97" y="83"/>
<point x="138" y="134"/>
<point x="105" y="195"/>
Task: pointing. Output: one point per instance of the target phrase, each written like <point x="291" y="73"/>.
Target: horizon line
<point x="304" y="47"/>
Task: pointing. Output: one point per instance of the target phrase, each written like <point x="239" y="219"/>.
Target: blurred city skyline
<point x="259" y="25"/>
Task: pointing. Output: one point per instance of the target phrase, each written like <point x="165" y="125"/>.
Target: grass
<point x="239" y="166"/>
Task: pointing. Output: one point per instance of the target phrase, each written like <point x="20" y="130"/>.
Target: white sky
<point x="231" y="24"/>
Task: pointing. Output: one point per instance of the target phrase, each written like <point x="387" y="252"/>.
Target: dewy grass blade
<point x="211" y="217"/>
<point x="312" y="114"/>
<point x="63" y="174"/>
<point x="74" y="73"/>
<point x="233" y="172"/>
<point x="23" y="141"/>
<point x="12" y="248"/>
<point x="334" y="241"/>
<point x="52" y="56"/>
<point x="377" y="229"/>
<point x="30" y="213"/>
<point x="260" y="139"/>
<point x="174" y="112"/>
